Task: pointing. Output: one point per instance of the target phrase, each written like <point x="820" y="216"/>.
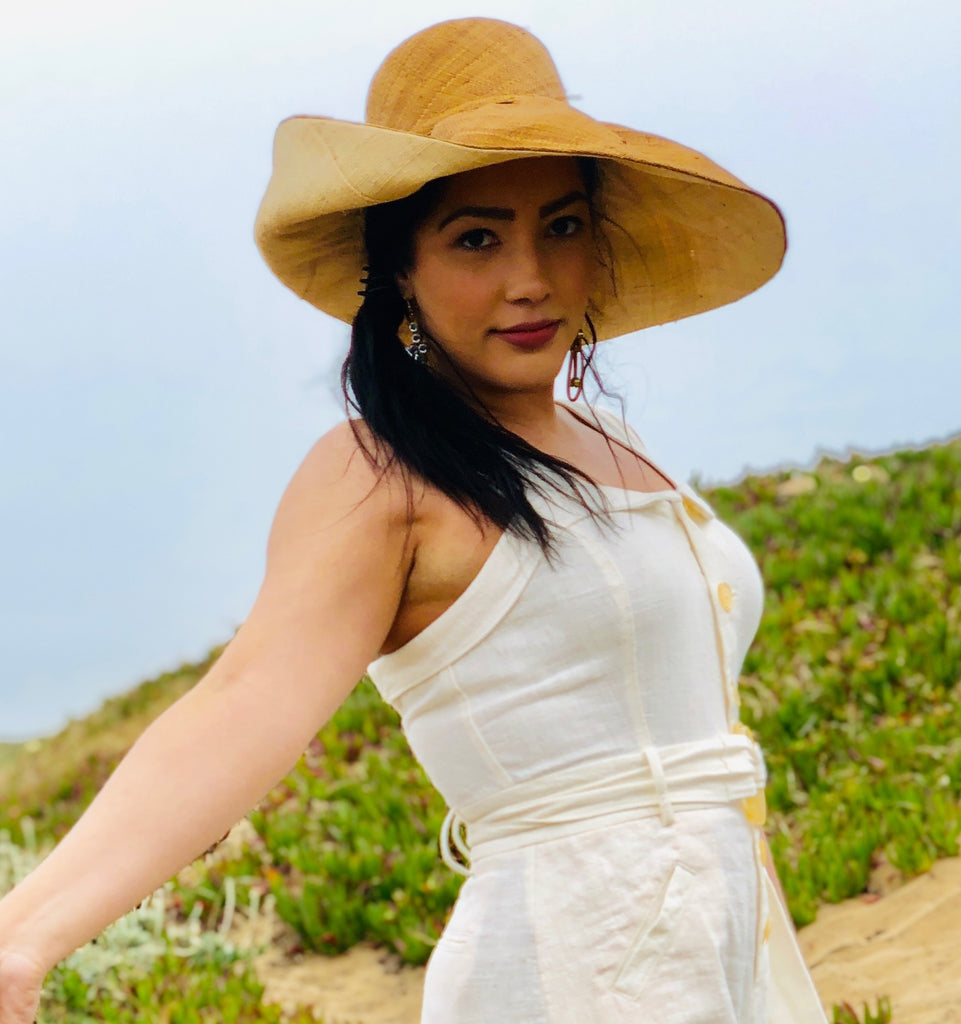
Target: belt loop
<point x="660" y="784"/>
<point x="450" y="837"/>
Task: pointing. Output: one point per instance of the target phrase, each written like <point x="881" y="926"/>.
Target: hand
<point x="21" y="980"/>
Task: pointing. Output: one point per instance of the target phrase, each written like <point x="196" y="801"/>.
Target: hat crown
<point x="458" y="64"/>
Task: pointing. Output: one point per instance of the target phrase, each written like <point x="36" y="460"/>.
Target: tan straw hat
<point x="685" y="235"/>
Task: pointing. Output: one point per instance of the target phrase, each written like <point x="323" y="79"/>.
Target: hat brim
<point x="684" y="235"/>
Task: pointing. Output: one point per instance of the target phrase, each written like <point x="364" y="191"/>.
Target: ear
<point x="404" y="286"/>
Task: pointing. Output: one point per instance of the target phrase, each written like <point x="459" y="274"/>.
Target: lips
<point x="530" y="335"/>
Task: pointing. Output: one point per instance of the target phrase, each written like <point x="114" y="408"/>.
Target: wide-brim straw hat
<point x="684" y="235"/>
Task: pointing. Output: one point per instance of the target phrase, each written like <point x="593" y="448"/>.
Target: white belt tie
<point x="664" y="780"/>
<point x="660" y="783"/>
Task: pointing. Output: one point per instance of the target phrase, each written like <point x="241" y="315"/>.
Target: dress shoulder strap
<point x="611" y="422"/>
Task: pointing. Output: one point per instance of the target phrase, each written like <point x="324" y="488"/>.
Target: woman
<point x="559" y="623"/>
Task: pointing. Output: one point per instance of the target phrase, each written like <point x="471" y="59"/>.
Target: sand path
<point x="904" y="945"/>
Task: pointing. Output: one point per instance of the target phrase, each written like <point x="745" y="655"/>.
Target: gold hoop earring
<point x="418" y="348"/>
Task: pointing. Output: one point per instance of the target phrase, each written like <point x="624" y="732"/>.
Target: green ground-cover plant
<point x="147" y="967"/>
<point x="853" y="686"/>
<point x="854" y="682"/>
<point x="205" y="990"/>
<point x="845" y="1013"/>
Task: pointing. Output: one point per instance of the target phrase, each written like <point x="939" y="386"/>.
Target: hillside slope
<point x="853" y="687"/>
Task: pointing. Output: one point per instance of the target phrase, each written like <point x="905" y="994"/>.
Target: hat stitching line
<point x="502" y="99"/>
<point x="343" y="177"/>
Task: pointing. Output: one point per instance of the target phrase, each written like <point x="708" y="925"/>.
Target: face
<point x="502" y="270"/>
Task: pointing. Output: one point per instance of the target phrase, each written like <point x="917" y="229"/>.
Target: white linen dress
<point x="580" y="717"/>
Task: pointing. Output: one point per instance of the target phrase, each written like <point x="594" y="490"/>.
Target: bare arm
<point x="337" y="562"/>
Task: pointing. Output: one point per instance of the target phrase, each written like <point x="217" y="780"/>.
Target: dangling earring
<point x="580" y="360"/>
<point x="418" y="348"/>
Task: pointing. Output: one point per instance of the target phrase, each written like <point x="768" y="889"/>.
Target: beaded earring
<point x="418" y="348"/>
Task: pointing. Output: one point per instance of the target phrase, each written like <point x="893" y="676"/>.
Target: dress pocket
<point x="654" y="935"/>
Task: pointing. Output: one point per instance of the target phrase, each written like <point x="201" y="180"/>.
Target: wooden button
<point x="725" y="595"/>
<point x="755" y="809"/>
<point x="693" y="509"/>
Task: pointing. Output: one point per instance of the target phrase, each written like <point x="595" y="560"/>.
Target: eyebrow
<point x="504" y="213"/>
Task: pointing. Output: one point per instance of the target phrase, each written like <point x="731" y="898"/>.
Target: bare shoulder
<point x="340" y="460"/>
<point x="338" y="559"/>
<point x="343" y="527"/>
<point x="338" y="487"/>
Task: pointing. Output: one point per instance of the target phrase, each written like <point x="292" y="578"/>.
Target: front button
<point x="693" y="509"/>
<point x="726" y="596"/>
<point x="755" y="809"/>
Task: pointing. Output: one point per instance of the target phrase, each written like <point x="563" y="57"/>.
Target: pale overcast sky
<point x="158" y="387"/>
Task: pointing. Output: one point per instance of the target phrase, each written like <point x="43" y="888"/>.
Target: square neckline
<point x="509" y="550"/>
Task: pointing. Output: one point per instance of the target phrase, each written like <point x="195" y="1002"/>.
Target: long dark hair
<point x="419" y="422"/>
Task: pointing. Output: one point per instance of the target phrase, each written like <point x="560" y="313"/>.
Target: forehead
<point x="515" y="184"/>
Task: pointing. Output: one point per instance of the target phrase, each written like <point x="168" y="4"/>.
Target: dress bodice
<point x="632" y="635"/>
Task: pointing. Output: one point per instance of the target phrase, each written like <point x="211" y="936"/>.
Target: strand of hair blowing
<point x="420" y="422"/>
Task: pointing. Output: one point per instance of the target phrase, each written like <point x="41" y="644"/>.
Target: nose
<point x="528" y="278"/>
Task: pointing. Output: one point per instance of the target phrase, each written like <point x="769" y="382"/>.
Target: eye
<point x="476" y="239"/>
<point x="564" y="227"/>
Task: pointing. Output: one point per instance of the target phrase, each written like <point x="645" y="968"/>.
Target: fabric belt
<point x="661" y="781"/>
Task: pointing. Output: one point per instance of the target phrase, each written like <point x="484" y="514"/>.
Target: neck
<point x="531" y="412"/>
<point x="525" y="414"/>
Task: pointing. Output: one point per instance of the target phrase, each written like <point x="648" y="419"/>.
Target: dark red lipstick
<point x="530" y="335"/>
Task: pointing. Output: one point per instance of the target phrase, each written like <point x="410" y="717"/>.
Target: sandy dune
<point x="364" y="986"/>
<point x="904" y="945"/>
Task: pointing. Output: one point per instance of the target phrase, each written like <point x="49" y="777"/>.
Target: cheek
<point x="452" y="296"/>
<point x="582" y="269"/>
